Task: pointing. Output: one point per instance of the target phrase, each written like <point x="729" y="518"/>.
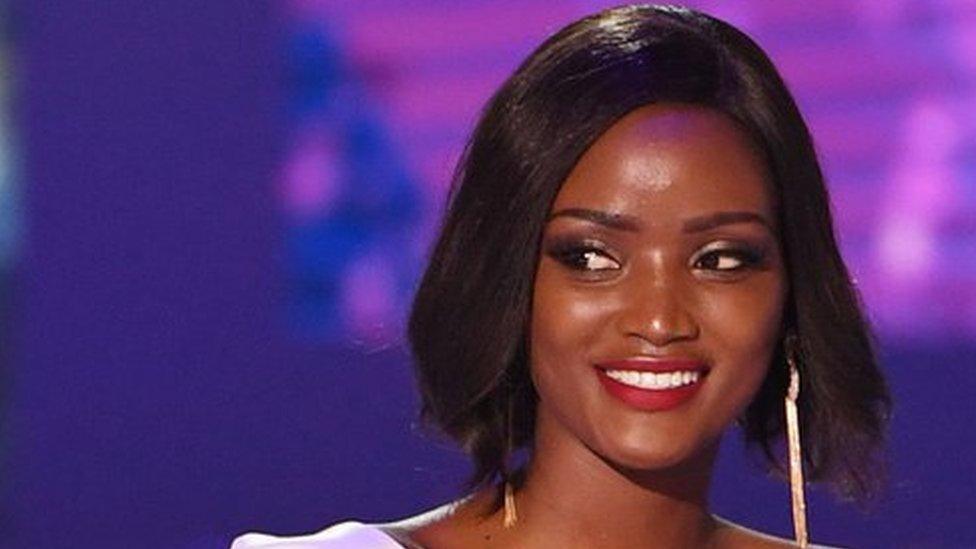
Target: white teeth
<point x="650" y="380"/>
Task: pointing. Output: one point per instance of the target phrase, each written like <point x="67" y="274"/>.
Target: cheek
<point x="746" y="322"/>
<point x="564" y="329"/>
<point x="743" y="328"/>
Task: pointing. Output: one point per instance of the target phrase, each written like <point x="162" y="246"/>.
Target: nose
<point x="656" y="309"/>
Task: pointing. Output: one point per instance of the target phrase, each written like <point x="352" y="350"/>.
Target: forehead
<point x="666" y="162"/>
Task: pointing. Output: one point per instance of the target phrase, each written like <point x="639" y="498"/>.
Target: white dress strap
<point x="345" y="535"/>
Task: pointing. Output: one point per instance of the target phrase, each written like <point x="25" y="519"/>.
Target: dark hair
<point x="471" y="313"/>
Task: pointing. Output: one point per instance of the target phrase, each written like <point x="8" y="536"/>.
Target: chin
<point x="643" y="459"/>
<point x="649" y="455"/>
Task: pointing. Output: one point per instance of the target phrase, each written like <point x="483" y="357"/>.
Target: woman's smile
<point x="652" y="384"/>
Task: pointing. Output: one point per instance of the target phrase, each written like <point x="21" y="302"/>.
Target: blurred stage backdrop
<point x="225" y="207"/>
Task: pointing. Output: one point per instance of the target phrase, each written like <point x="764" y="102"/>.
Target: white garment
<point x="345" y="535"/>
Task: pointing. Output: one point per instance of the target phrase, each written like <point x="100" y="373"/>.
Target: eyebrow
<point x="623" y="222"/>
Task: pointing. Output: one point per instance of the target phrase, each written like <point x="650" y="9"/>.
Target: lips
<point x="652" y="384"/>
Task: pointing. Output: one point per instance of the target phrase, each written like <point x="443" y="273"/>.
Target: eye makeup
<point x="592" y="256"/>
<point x="581" y="254"/>
<point x="729" y="258"/>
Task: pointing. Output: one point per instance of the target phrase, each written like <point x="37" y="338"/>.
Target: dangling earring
<point x="511" y="515"/>
<point x="795" y="451"/>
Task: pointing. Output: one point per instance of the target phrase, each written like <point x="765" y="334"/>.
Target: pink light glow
<point x="311" y="176"/>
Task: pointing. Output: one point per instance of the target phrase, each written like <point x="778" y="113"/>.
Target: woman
<point x="638" y="253"/>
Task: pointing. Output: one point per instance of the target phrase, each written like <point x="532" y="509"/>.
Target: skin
<point x="653" y="273"/>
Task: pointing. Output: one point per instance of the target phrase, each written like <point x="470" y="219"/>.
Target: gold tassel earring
<point x="795" y="451"/>
<point x="511" y="515"/>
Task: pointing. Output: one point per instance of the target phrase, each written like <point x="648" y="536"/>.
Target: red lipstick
<point x="652" y="384"/>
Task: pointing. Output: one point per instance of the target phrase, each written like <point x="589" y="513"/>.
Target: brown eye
<point x="720" y="262"/>
<point x="583" y="257"/>
<point x="593" y="260"/>
<point x="727" y="260"/>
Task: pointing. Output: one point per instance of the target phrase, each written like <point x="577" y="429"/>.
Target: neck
<point x="571" y="491"/>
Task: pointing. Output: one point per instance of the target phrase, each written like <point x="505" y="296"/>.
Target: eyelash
<point x="746" y="257"/>
<point x="573" y="256"/>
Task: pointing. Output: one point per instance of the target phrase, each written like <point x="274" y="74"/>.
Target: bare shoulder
<point x="416" y="531"/>
<point x="458" y="523"/>
<point x="734" y="536"/>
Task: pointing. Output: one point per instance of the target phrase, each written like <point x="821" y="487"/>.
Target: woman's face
<point x="660" y="288"/>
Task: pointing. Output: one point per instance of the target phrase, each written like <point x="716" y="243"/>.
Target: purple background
<point x="205" y="337"/>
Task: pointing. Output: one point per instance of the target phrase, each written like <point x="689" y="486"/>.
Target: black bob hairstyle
<point x="472" y="310"/>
